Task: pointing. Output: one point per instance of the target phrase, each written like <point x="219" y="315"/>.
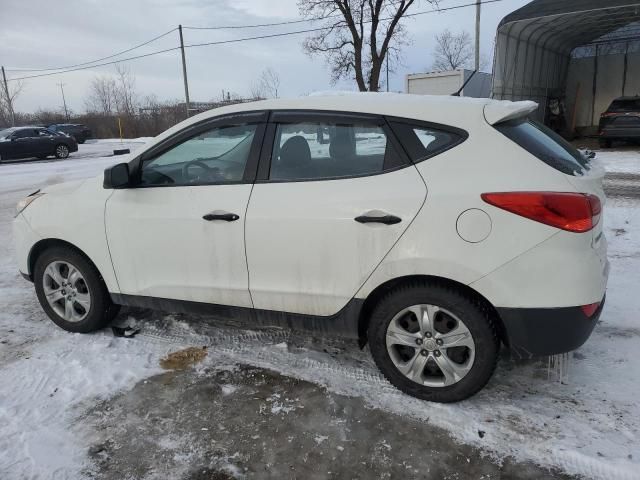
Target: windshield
<point x="6" y="133"/>
<point x="545" y="144"/>
<point x="624" y="106"/>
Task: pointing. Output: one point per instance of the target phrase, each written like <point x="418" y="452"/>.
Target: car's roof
<point x="463" y="112"/>
<point x="626" y="99"/>
<point x="421" y="107"/>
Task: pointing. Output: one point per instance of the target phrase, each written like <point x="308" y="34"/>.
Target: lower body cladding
<point x="528" y="332"/>
<point x="532" y="332"/>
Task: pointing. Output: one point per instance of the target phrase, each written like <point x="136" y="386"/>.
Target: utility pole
<point x="64" y="102"/>
<point x="9" y="102"/>
<point x="184" y="71"/>
<point x="387" y="71"/>
<point x="477" y="65"/>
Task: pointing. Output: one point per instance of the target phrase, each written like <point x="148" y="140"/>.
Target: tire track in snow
<point x="511" y="435"/>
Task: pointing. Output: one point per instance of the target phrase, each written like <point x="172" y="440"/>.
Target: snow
<point x="627" y="161"/>
<point x="588" y="425"/>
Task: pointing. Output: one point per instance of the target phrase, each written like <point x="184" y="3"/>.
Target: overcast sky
<point x="44" y="34"/>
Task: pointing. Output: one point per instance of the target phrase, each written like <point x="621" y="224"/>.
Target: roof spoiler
<point x="501" y="111"/>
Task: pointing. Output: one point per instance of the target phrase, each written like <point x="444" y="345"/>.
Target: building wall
<point x="446" y="83"/>
<point x="609" y="81"/>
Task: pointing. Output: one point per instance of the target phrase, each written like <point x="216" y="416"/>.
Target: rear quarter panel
<point x="486" y="162"/>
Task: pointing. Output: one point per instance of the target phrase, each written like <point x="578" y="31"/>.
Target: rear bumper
<point x="547" y="331"/>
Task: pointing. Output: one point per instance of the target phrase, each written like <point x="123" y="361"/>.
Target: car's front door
<point x="23" y="143"/>
<point x="333" y="195"/>
<point x="179" y="233"/>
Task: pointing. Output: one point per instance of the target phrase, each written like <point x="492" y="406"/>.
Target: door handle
<point x="386" y="219"/>
<point x="227" y="217"/>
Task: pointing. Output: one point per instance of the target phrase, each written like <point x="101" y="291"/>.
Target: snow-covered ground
<point x="625" y="161"/>
<point x="589" y="425"/>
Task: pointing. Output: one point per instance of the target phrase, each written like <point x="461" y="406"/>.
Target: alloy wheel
<point x="430" y="345"/>
<point x="62" y="151"/>
<point x="66" y="291"/>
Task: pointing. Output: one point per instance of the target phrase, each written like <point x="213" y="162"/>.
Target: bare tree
<point x="267" y="85"/>
<point x="102" y="96"/>
<point x="270" y="81"/>
<point x="453" y="51"/>
<point x="126" y="96"/>
<point x="358" y="36"/>
<point x="7" y="104"/>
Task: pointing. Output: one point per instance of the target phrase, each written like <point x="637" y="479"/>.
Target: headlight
<point x="25" y="202"/>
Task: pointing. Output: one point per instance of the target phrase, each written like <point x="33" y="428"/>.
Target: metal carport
<point x="535" y="46"/>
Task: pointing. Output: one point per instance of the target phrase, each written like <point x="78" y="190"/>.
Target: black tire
<point x="605" y="143"/>
<point x="467" y="309"/>
<point x="63" y="152"/>
<point x="101" y="311"/>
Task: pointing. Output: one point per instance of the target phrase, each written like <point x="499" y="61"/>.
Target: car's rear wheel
<point x="433" y="342"/>
<point x="62" y="151"/>
<point x="71" y="291"/>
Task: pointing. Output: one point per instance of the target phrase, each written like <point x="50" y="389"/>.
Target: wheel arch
<point x="41" y="246"/>
<point x="376" y="294"/>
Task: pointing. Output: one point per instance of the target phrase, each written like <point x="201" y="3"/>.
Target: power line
<point x="93" y="61"/>
<point x="157" y="52"/>
<point x="290" y="22"/>
<point x="309" y="30"/>
<point x="236" y="40"/>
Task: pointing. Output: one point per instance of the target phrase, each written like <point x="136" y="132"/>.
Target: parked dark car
<point x="78" y="131"/>
<point x="621" y="121"/>
<point x="25" y="142"/>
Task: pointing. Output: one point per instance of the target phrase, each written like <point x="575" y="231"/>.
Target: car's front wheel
<point x="433" y="342"/>
<point x="62" y="151"/>
<point x="71" y="291"/>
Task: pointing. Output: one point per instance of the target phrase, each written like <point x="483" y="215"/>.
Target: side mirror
<point x="117" y="176"/>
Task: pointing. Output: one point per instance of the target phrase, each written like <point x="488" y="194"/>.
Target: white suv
<point x="433" y="228"/>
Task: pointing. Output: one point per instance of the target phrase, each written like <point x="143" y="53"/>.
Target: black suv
<point x="621" y="121"/>
<point x="25" y="142"/>
<point x="78" y="131"/>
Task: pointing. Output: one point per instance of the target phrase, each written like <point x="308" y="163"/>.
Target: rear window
<point x="624" y="106"/>
<point x="545" y="144"/>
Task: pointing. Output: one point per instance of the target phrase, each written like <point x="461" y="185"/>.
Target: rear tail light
<point x="590" y="309"/>
<point x="574" y="212"/>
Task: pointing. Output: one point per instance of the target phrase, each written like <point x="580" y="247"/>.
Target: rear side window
<point x="315" y="151"/>
<point x="422" y="142"/>
<point x="545" y="144"/>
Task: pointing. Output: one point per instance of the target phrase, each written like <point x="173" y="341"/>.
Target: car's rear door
<point x="178" y="233"/>
<point x="44" y="142"/>
<point x="334" y="193"/>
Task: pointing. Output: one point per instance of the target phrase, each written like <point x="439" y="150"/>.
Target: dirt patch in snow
<point x="183" y="359"/>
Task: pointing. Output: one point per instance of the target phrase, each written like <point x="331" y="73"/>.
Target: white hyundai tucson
<point x="433" y="228"/>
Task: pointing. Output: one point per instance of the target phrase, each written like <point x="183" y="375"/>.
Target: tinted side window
<point x="422" y="142"/>
<point x="545" y="144"/>
<point x="218" y="155"/>
<point x="307" y="151"/>
<point x="24" y="133"/>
